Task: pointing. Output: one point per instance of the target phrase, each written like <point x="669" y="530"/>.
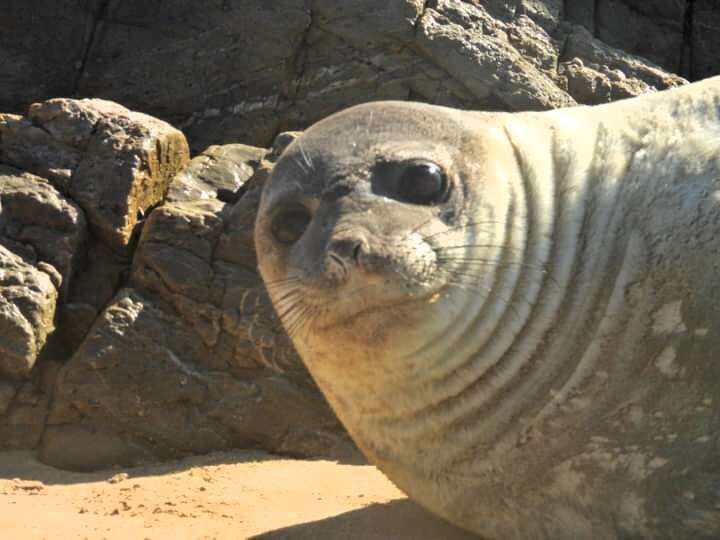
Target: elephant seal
<point x="516" y="316"/>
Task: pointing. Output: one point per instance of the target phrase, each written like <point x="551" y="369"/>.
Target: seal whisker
<point x="301" y="165"/>
<point x="420" y="226"/>
<point x="288" y="296"/>
<point x="281" y="283"/>
<point x="290" y="279"/>
<point x="482" y="246"/>
<point x="305" y="156"/>
<point x="472" y="225"/>
<point x="300" y="320"/>
<point x="480" y="261"/>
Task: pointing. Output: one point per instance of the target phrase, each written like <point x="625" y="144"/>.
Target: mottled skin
<point x="538" y="356"/>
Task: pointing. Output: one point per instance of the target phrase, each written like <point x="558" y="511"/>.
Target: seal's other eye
<point x="289" y="225"/>
<point x="422" y="182"/>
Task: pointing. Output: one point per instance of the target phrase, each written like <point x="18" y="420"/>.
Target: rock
<point x="27" y="309"/>
<point x="586" y="85"/>
<point x="142" y="386"/>
<point x="545" y="13"/>
<point x="80" y="448"/>
<point x="23" y="425"/>
<point x="206" y="54"/>
<point x="591" y="87"/>
<point x="24" y="407"/>
<point x="243" y="71"/>
<point x="190" y="357"/>
<point x="7" y="393"/>
<point x="218" y="172"/>
<point x="626" y="25"/>
<point x="41" y="225"/>
<point x="705" y="39"/>
<point x="636" y="72"/>
<point x="114" y="163"/>
<point x="100" y="274"/>
<point x="489" y="67"/>
<point x="652" y="30"/>
<point x="40" y="54"/>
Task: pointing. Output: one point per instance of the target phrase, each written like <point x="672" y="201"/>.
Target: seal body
<point x="516" y="316"/>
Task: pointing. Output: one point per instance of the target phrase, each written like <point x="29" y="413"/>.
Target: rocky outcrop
<point x="27" y="310"/>
<point x="65" y="236"/>
<point x="189" y="357"/>
<point x="217" y="173"/>
<point x="133" y="323"/>
<point x="41" y="225"/>
<point x="244" y="71"/>
<point x="103" y="362"/>
<point x="114" y="163"/>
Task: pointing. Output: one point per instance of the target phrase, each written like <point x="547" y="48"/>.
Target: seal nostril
<point x="356" y="252"/>
<point x="348" y="249"/>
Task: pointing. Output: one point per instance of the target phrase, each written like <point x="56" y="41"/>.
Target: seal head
<point x="363" y="220"/>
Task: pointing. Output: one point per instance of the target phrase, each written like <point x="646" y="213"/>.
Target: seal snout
<point x="348" y="248"/>
<point x="345" y="253"/>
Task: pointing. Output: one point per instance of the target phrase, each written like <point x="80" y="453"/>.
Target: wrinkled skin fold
<point x="528" y="348"/>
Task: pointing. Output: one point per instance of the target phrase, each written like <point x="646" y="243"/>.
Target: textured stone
<point x="23" y="425"/>
<point x="141" y="387"/>
<point x="598" y="56"/>
<point x="627" y="25"/>
<point x="191" y="357"/>
<point x="705" y="42"/>
<point x="100" y="273"/>
<point x="27" y="309"/>
<point x="24" y="407"/>
<point x="243" y="71"/>
<point x="218" y="172"/>
<point x="39" y="224"/>
<point x="41" y="48"/>
<point x="491" y="68"/>
<point x="114" y="163"/>
<point x="7" y="393"/>
<point x="207" y="54"/>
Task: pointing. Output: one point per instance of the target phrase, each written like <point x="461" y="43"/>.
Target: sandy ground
<point x="229" y="495"/>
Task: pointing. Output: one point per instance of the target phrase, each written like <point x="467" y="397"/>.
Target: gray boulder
<point x="243" y="71"/>
<point x="114" y="163"/>
<point x="190" y="357"/>
<point x="27" y="309"/>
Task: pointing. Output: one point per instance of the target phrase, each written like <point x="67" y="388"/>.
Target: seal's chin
<point x="365" y="307"/>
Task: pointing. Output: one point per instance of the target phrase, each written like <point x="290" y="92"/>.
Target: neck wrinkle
<point x="553" y="199"/>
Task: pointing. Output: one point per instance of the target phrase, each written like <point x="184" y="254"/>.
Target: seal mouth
<point x="396" y="307"/>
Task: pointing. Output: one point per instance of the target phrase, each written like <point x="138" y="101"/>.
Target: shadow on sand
<point x="399" y="520"/>
<point x="25" y="465"/>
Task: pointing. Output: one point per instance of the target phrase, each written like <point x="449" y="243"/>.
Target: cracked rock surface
<point x="244" y="71"/>
<point x="173" y="351"/>
<point x="114" y="163"/>
<point x="27" y="309"/>
<point x="133" y="323"/>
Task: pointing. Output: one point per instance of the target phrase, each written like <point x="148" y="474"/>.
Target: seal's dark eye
<point x="289" y="225"/>
<point x="422" y="182"/>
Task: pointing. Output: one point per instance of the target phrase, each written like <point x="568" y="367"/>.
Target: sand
<point x="226" y="495"/>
